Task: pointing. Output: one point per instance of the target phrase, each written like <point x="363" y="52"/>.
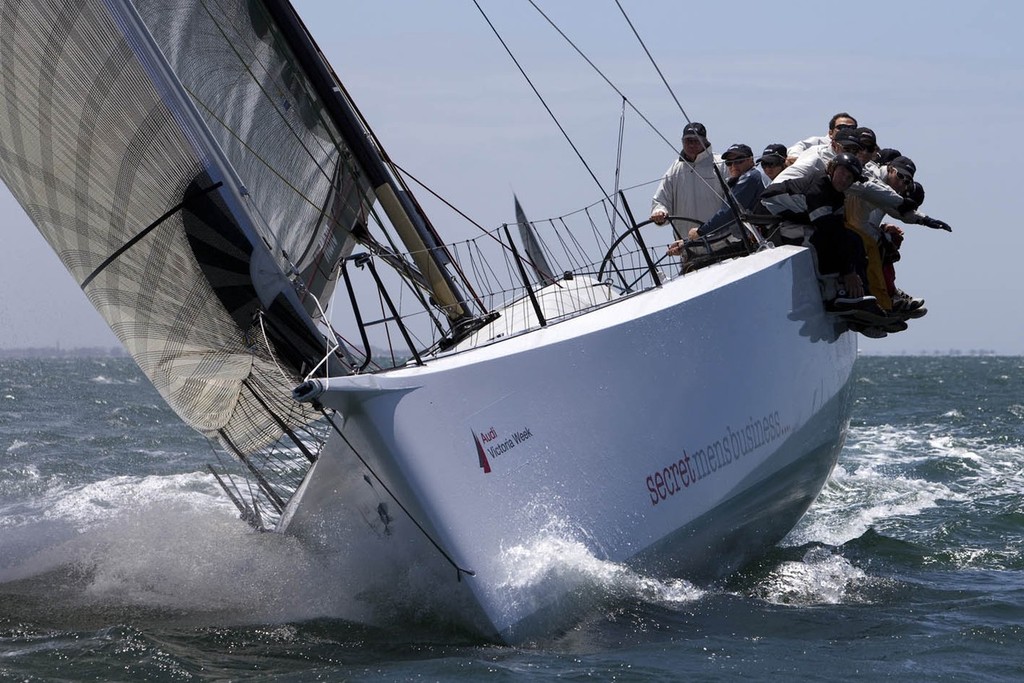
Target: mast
<point x="412" y="225"/>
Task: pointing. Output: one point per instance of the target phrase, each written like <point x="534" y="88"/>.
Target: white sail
<point x="132" y="196"/>
<point x="201" y="174"/>
<point x="303" y="181"/>
<point x="534" y="253"/>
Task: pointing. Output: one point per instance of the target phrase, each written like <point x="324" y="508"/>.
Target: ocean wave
<point x="562" y="563"/>
<point x="820" y="578"/>
<point x="16" y="444"/>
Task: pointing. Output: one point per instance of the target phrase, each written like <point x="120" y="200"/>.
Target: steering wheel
<point x="607" y="260"/>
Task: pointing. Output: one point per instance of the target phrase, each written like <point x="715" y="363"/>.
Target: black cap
<point x="916" y="194"/>
<point x="867" y="138"/>
<point x="888" y="154"/>
<point x="846" y="136"/>
<point x="738" y="151"/>
<point x="773" y="153"/>
<point x="904" y="164"/>
<point x="852" y="163"/>
<point x="695" y="130"/>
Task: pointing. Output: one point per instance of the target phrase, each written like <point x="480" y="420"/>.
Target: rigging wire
<point x="721" y="180"/>
<point x="541" y="98"/>
<point x="486" y="233"/>
<point x="726" y="190"/>
<point x="459" y="571"/>
<point x="618" y="161"/>
<point x="625" y="100"/>
<point x="653" y="63"/>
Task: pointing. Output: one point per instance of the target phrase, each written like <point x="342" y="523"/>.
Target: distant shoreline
<point x="119" y="352"/>
<point x="60" y="352"/>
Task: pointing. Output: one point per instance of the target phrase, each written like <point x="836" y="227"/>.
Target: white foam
<point x="98" y="502"/>
<point x="885" y="476"/>
<point x="556" y="562"/>
<point x="571" y="565"/>
<point x="183" y="554"/>
<point x="821" y="578"/>
<point x="18" y="443"/>
<point x="871" y="486"/>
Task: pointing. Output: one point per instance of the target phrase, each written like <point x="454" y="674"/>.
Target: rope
<point x="459" y="571"/>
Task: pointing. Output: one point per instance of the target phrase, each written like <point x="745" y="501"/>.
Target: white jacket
<point x="798" y="148"/>
<point x="812" y="158"/>
<point x="691" y="190"/>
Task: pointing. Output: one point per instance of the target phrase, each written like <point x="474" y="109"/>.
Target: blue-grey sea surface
<point x="121" y="560"/>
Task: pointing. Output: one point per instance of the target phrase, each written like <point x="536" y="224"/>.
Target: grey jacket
<point x="691" y="190"/>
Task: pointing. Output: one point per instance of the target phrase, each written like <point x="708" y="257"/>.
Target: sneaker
<point x="861" y="309"/>
<point x="842" y="302"/>
<point x="909" y="315"/>
<point x="917" y="312"/>
<point x="868" y="330"/>
<point x="895" y="326"/>
<point x="901" y="301"/>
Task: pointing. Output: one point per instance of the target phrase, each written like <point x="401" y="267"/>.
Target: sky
<point x="942" y="82"/>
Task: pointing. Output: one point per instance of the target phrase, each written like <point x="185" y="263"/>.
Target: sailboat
<point x="206" y="178"/>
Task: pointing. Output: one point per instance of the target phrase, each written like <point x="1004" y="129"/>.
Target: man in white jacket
<point x="816" y="158"/>
<point x="691" y="188"/>
<point x="840" y="121"/>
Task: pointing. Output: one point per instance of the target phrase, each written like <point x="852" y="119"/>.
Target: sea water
<point x="121" y="560"/>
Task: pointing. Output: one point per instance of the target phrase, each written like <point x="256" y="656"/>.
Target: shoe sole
<point x="868" y="331"/>
<point x="864" y="317"/>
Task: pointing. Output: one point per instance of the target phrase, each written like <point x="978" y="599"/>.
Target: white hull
<point x="681" y="431"/>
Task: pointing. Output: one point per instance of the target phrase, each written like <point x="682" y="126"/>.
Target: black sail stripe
<point x="145" y="231"/>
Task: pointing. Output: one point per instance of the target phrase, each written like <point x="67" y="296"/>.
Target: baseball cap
<point x="773" y="153"/>
<point x="738" y="151"/>
<point x="695" y="130"/>
<point x="904" y="164"/>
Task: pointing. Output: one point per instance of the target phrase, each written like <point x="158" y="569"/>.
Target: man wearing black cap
<point x="840" y="121"/>
<point x="868" y="144"/>
<point x="817" y="158"/>
<point x="864" y="218"/>
<point x="772" y="160"/>
<point x="746" y="185"/>
<point x="690" y="187"/>
<point x="887" y="191"/>
<point x="888" y="194"/>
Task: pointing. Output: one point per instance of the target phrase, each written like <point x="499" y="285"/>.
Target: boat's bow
<point x="682" y="431"/>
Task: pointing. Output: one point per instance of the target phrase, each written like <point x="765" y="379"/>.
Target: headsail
<point x="110" y="159"/>
<point x="545" y="276"/>
<point x="201" y="173"/>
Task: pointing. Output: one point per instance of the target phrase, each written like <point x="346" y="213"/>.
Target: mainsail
<point x="202" y="187"/>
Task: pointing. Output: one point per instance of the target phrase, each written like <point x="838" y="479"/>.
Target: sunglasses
<point x="733" y="162"/>
<point x="770" y="164"/>
<point x="851" y="149"/>
<point x="904" y="177"/>
<point x="845" y="126"/>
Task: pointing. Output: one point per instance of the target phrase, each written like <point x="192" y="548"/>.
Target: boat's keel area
<point x="680" y="433"/>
